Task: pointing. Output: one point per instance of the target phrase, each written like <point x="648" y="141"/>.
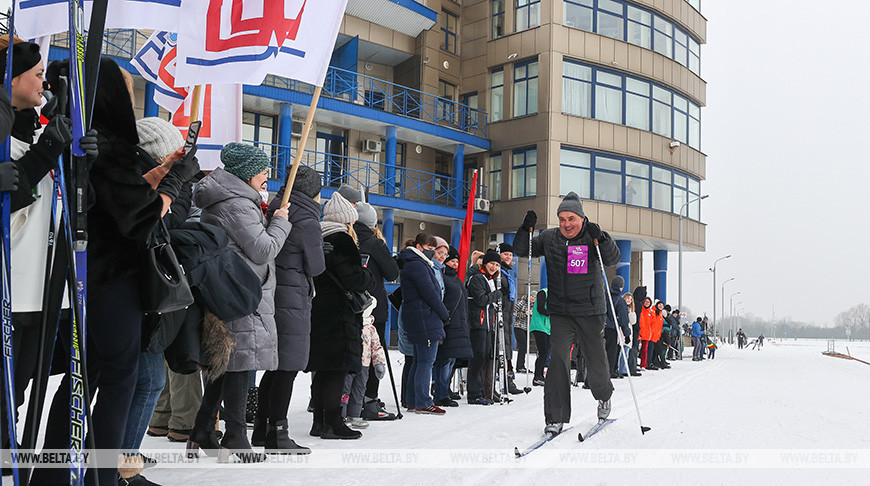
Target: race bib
<point x="578" y="259"/>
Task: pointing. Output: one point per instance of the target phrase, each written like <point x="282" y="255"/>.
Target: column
<point x="623" y="268"/>
<point x="458" y="168"/>
<point x="660" y="268"/>
<point x="151" y="108"/>
<point x="456" y="234"/>
<point x="388" y="227"/>
<point x="285" y="139"/>
<point x="543" y="263"/>
<point x="390" y="163"/>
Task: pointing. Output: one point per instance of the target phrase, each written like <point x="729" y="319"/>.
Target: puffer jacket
<point x="571" y="294"/>
<point x="647" y="316"/>
<point x="300" y="260"/>
<point x="381" y="265"/>
<point x="423" y="312"/>
<point x="457" y="343"/>
<point x="232" y="205"/>
<point x="482" y="298"/>
<point x="656" y="327"/>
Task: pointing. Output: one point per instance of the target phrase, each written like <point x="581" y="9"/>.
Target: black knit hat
<point x="667" y="308"/>
<point x="491" y="256"/>
<point x="505" y="247"/>
<point x="451" y="254"/>
<point x="25" y="55"/>
<point x="307" y="181"/>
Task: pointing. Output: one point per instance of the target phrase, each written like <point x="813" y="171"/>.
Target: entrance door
<point x="331" y="160"/>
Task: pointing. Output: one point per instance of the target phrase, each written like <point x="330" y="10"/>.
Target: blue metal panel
<point x="285" y="138"/>
<point x="623" y="268"/>
<point x="543" y="262"/>
<point x="419" y="8"/>
<point x="386" y="118"/>
<point x="390" y="169"/>
<point x="389" y="227"/>
<point x="456" y="234"/>
<point x="660" y="268"/>
<point x="151" y="108"/>
<point x="458" y="168"/>
<point x="345" y="57"/>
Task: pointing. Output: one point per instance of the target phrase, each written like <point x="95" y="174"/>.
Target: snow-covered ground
<point x="785" y="412"/>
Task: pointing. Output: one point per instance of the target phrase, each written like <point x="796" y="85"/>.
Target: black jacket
<point x="574" y="294"/>
<point x="179" y="210"/>
<point x="457" y="342"/>
<point x="124" y="213"/>
<point x="336" y="332"/>
<point x="481" y="317"/>
<point x="381" y="265"/>
<point x="621" y="313"/>
<point x="300" y="260"/>
<point x="423" y="311"/>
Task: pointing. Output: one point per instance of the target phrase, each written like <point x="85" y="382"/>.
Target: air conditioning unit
<point x="296" y="128"/>
<point x="482" y="205"/>
<point x="370" y="146"/>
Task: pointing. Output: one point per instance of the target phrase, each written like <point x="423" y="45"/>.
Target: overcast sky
<point x="785" y="131"/>
<point x="784" y="128"/>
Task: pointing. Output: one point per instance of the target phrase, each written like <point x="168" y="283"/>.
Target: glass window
<point x="494" y="191"/>
<point x="449" y="29"/>
<point x="497" y="18"/>
<point x="528" y="14"/>
<point x="608" y="163"/>
<point x="639" y="27"/>
<point x="575" y="173"/>
<point x="680" y="198"/>
<point x="636" y="184"/>
<point x="496" y="110"/>
<point x="608" y="186"/>
<point x="610" y="6"/>
<point x="681" y="119"/>
<point x="526" y="88"/>
<point x="661" y="111"/>
<point x="610" y="25"/>
<point x="578" y="14"/>
<point x="661" y="196"/>
<point x="576" y="89"/>
<point x="694" y="126"/>
<point x="694" y="56"/>
<point x="524" y="180"/>
<point x="637" y="103"/>
<point x="663" y="41"/>
<point x="695" y="206"/>
<point x="259" y="129"/>
<point x="661" y="175"/>
<point x="445" y="109"/>
<point x="681" y="47"/>
<point x="608" y="100"/>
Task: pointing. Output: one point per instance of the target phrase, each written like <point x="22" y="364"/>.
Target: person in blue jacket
<point x="696" y="340"/>
<point x="423" y="318"/>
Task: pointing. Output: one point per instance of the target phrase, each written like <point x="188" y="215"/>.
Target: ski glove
<point x="327" y="248"/>
<point x="380" y="371"/>
<point x="593" y="230"/>
<point x="627" y="340"/>
<point x="529" y="221"/>
<point x="89" y="145"/>
<point x="8" y="177"/>
<point x="56" y="136"/>
<point x="180" y="173"/>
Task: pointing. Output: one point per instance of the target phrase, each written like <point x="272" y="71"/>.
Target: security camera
<point x="675" y="144"/>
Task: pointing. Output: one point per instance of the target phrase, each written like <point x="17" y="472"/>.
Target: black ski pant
<point x="588" y="333"/>
<point x="542" y="343"/>
<point x="611" y="344"/>
<point x="409" y="360"/>
<point x="114" y="329"/>
<point x="522" y="344"/>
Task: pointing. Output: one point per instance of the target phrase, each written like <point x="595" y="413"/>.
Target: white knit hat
<point x="158" y="137"/>
<point x="439" y="242"/>
<point x="338" y="210"/>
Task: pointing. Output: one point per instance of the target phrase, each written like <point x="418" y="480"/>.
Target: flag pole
<point x="194" y="103"/>
<point x="309" y="120"/>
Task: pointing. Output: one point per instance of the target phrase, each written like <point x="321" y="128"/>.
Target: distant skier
<point x="711" y="348"/>
<point x="759" y="342"/>
<point x="696" y="340"/>
<point x="741" y="339"/>
<point x="576" y="301"/>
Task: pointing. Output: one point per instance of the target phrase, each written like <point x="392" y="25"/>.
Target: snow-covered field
<point x="785" y="412"/>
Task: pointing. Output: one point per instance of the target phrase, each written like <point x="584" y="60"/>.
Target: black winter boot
<point x="317" y="424"/>
<point x="258" y="436"/>
<point x="205" y="438"/>
<point x="335" y="428"/>
<point x="279" y="442"/>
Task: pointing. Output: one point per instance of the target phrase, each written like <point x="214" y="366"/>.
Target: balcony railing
<point x="382" y="95"/>
<point x="121" y="43"/>
<point x="376" y="177"/>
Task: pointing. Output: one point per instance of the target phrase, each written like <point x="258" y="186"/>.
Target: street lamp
<point x="714" y="286"/>
<point x="731" y="304"/>
<point x="723" y="296"/>
<point x="680" y="277"/>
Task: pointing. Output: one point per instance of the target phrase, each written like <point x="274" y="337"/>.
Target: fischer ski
<point x="540" y="443"/>
<point x="595" y="429"/>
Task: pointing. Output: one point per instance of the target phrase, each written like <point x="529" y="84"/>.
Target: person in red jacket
<point x="654" y="363"/>
<point x="647" y="316"/>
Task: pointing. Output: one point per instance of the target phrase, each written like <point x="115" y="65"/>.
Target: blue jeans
<point x="149" y="384"/>
<point x="441" y="377"/>
<point x="420" y="375"/>
<point x="623" y="368"/>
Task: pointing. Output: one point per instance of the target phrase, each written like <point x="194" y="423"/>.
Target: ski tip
<point x="580" y="437"/>
<point x="644" y="430"/>
<point x="517" y="452"/>
<point x="527" y="389"/>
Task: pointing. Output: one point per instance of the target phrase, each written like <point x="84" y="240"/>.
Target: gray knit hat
<point x="367" y="214"/>
<point x="158" y="137"/>
<point x="350" y="194"/>
<point x="572" y="204"/>
<point x="243" y="161"/>
<point x="617" y="282"/>
<point x="307" y="181"/>
<point x="339" y="210"/>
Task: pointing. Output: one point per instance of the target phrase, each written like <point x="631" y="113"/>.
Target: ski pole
<point x="393" y="383"/>
<point x="528" y="315"/>
<point x="643" y="429"/>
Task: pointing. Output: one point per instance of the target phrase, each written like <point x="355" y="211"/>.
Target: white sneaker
<point x="357" y="423"/>
<point x="603" y="409"/>
<point x="553" y="429"/>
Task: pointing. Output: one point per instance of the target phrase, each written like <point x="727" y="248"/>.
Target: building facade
<point x="542" y="97"/>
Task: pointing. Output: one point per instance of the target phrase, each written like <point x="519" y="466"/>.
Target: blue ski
<point x="540" y="442"/>
<point x="595" y="429"/>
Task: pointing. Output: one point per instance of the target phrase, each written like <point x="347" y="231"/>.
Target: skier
<point x="741" y="338"/>
<point x="759" y="342"/>
<point x="576" y="301"/>
<point x="696" y="340"/>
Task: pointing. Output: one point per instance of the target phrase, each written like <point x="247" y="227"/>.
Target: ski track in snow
<point x="785" y="396"/>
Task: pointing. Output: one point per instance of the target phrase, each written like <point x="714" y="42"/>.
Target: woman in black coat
<point x="300" y="260"/>
<point x="457" y="342"/>
<point x="423" y="318"/>
<point x="336" y="331"/>
<point x="382" y="266"/>
<point x="482" y="297"/>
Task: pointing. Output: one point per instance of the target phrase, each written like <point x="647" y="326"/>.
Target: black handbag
<point x="163" y="285"/>
<point x="359" y="301"/>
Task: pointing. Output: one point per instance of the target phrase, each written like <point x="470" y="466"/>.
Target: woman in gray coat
<point x="230" y="199"/>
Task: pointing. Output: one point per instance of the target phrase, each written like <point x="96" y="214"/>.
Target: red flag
<point x="465" y="239"/>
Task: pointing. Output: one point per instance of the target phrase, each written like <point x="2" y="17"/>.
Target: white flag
<point x="241" y="41"/>
<point x="36" y="18"/>
<point x="220" y="105"/>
